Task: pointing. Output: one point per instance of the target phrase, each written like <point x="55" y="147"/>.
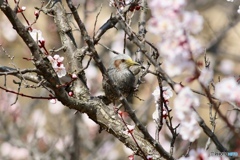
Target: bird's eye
<point x="123" y="60"/>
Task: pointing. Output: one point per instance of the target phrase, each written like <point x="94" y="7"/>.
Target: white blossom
<point x="37" y="35"/>
<point x="225" y="88"/>
<point x="226" y="66"/>
<point x="167" y="93"/>
<point x="206" y="76"/>
<point x="189" y="128"/>
<point x="174" y="25"/>
<point x="57" y="65"/>
<point x="185" y="100"/>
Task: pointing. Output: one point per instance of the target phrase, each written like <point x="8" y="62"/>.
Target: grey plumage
<point x="122" y="76"/>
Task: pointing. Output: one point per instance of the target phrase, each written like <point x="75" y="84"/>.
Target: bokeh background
<point x="37" y="129"/>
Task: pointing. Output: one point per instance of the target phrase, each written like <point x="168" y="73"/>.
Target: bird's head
<point x="123" y="61"/>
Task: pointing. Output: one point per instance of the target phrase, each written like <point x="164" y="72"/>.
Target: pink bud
<point x="131" y="157"/>
<point x="149" y="157"/>
<point x="36" y="13"/>
<point x="74" y="76"/>
<point x="70" y="93"/>
<point x="120" y="113"/>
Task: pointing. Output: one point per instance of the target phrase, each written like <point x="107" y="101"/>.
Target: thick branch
<point x="74" y="55"/>
<point x="92" y="49"/>
<point x="95" y="109"/>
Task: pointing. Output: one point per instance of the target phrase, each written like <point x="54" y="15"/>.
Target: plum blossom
<point x="185" y="100"/>
<point x="206" y="76"/>
<point x="228" y="90"/>
<point x="225" y="88"/>
<point x="149" y="157"/>
<point x="174" y="26"/>
<point x="226" y="66"/>
<point x="57" y="65"/>
<point x="13" y="152"/>
<point x="131" y="157"/>
<point x="170" y="7"/>
<point x="189" y="129"/>
<point x="155" y="114"/>
<point x="159" y="26"/>
<point x="74" y="76"/>
<point x="37" y="35"/>
<point x="174" y="69"/>
<point x="192" y="22"/>
<point x="167" y="94"/>
<point x="183" y="103"/>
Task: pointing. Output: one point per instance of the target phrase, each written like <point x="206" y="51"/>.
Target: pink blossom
<point x="226" y="66"/>
<point x="13" y="152"/>
<point x="178" y="87"/>
<point x="149" y="157"/>
<point x="206" y="76"/>
<point x="171" y="6"/>
<point x="185" y="100"/>
<point x="155" y="114"/>
<point x="174" y="69"/>
<point x="189" y="128"/>
<point x="131" y="157"/>
<point x="37" y="35"/>
<point x="173" y="25"/>
<point x="183" y="103"/>
<point x="225" y="88"/>
<point x="192" y="22"/>
<point x="74" y="76"/>
<point x="160" y="25"/>
<point x="57" y="65"/>
<point x="36" y="13"/>
<point x="167" y="93"/>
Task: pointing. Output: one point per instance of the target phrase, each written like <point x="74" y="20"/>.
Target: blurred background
<point x="38" y="129"/>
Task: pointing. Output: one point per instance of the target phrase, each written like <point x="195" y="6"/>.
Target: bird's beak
<point x="130" y="62"/>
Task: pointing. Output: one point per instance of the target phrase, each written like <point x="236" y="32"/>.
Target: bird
<point x="122" y="70"/>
